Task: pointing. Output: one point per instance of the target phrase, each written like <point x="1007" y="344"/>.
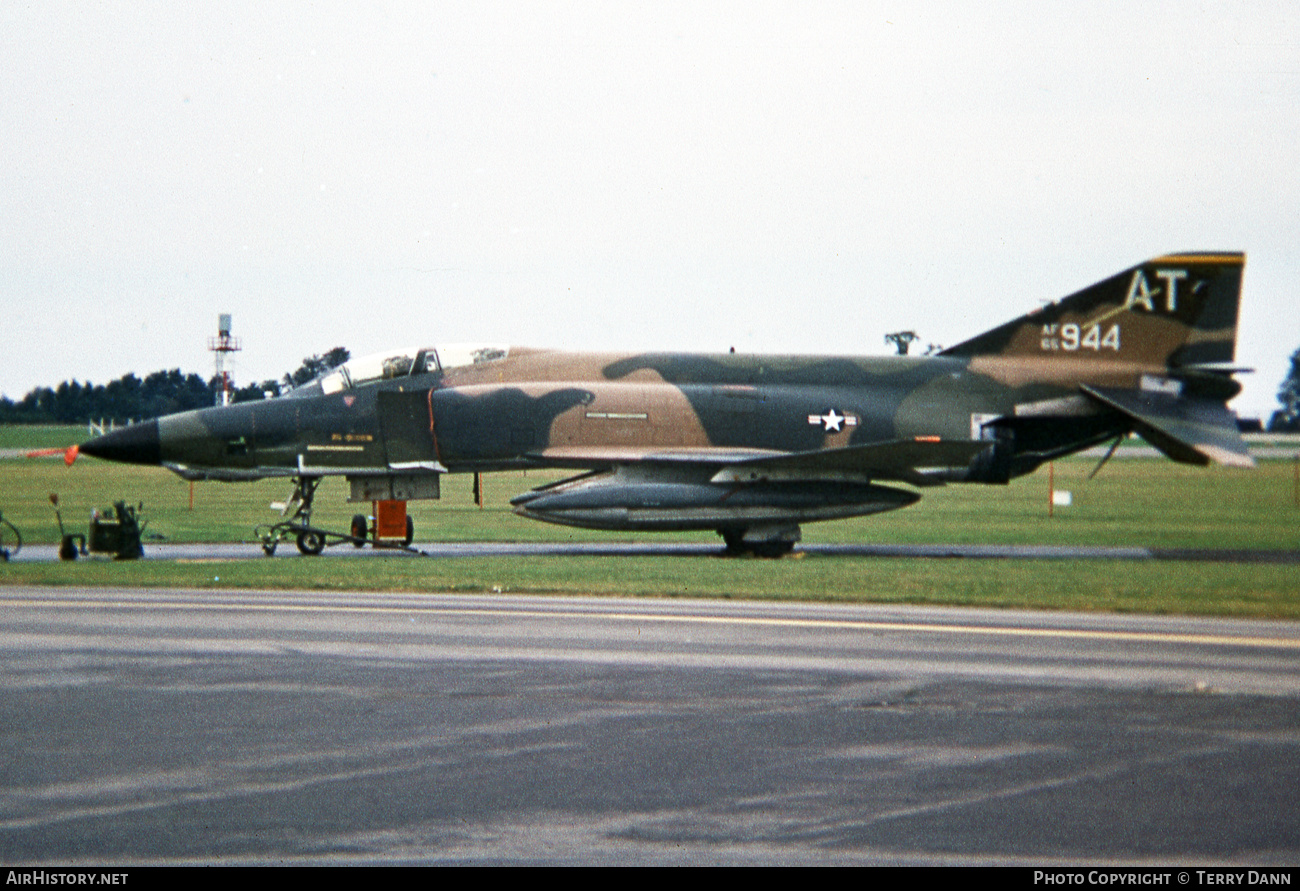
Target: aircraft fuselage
<point x="514" y="413"/>
<point x="749" y="445"/>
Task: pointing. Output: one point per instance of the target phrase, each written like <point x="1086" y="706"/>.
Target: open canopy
<point x="406" y="361"/>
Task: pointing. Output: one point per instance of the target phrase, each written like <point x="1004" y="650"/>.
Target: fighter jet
<point x="750" y="446"/>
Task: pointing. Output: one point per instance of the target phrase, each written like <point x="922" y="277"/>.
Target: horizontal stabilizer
<point x="1190" y="430"/>
<point x="902" y="459"/>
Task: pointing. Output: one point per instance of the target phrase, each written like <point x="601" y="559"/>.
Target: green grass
<point x="1085" y="585"/>
<point x="41" y="436"/>
<point x="1133" y="502"/>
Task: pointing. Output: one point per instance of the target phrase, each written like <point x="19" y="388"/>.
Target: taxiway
<point x="162" y="726"/>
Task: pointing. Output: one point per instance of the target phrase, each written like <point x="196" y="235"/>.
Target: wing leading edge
<point x="919" y="462"/>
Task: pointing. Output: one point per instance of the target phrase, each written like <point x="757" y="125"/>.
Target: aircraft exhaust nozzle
<point x="133" y="444"/>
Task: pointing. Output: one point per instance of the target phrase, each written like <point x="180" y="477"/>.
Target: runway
<point x="249" y="551"/>
<point x="162" y="726"/>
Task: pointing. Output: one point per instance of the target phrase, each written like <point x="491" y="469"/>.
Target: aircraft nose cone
<point x="133" y="444"/>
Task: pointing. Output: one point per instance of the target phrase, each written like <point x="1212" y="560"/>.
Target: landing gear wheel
<point x="359" y="530"/>
<point x="767" y="548"/>
<point x="311" y="543"/>
<point x="410" y="531"/>
<point x="68" y="548"/>
<point x="735" y="539"/>
<point x="771" y="550"/>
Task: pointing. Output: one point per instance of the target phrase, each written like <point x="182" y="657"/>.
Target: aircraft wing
<point x="1190" y="430"/>
<point x="903" y="460"/>
<point x="607" y="456"/>
<point x="906" y="460"/>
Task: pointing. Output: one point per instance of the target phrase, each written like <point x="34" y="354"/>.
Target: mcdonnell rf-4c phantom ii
<point x="750" y="446"/>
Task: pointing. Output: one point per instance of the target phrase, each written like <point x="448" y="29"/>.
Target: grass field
<point x="1143" y="502"/>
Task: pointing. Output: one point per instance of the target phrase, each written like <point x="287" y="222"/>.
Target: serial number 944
<point x="1071" y="337"/>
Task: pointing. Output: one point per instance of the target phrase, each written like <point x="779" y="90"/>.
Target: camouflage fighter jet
<point x="750" y="446"/>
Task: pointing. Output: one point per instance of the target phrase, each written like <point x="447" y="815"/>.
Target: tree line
<point x="163" y="392"/>
<point x="1287" y="418"/>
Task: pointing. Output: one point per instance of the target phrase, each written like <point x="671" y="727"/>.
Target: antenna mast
<point x="220" y="345"/>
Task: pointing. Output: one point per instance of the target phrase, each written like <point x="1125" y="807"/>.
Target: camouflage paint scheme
<point x="750" y="445"/>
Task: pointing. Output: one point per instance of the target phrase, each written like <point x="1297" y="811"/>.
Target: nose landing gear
<point x="311" y="540"/>
<point x="297" y="511"/>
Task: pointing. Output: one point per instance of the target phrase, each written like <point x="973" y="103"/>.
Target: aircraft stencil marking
<point x="1067" y="337"/>
<point x="1140" y="292"/>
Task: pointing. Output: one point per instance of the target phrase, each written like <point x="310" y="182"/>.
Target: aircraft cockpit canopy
<point x="406" y="362"/>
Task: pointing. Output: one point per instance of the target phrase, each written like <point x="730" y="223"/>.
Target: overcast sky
<point x="777" y="177"/>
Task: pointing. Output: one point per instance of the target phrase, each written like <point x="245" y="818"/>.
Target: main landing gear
<point x="768" y="542"/>
<point x="310" y="539"/>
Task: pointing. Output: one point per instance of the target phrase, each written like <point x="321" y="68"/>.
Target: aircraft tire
<point x="311" y="543"/>
<point x="735" y="541"/>
<point x="738" y="547"/>
<point x="68" y="549"/>
<point x="359" y="529"/>
<point x="410" y="531"/>
<point x="771" y="550"/>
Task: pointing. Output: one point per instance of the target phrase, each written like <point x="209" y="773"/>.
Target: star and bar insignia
<point x="833" y="421"/>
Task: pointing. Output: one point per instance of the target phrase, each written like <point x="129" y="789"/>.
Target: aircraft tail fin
<point x="1176" y="311"/>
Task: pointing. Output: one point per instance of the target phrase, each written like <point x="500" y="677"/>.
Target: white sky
<point x="778" y="177"/>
